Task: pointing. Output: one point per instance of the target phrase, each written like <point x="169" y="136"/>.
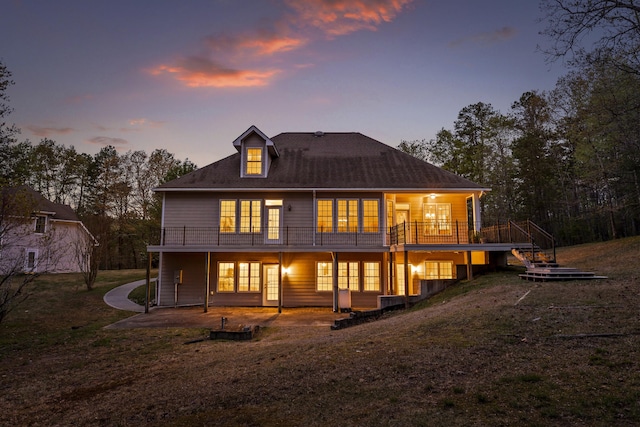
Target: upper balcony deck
<point x="432" y="235"/>
<point x="184" y="239"/>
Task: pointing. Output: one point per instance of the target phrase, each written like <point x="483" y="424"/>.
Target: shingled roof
<point x="41" y="204"/>
<point x="344" y="160"/>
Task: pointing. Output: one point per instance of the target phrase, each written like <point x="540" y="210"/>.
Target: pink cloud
<point x="45" y="132"/>
<point x="262" y="43"/>
<point x="341" y="17"/>
<point x="202" y="72"/>
<point x="246" y="59"/>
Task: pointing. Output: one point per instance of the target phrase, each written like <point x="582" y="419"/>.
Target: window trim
<point x="438" y="264"/>
<point x="366" y="277"/>
<point x="233" y="278"/>
<point x="232" y="228"/>
<point x="253" y="228"/>
<point x="348" y="216"/>
<point x="27" y="267"/>
<point x="328" y="277"/>
<point x="330" y="216"/>
<point x="250" y="161"/>
<point x="437" y="226"/>
<point x="351" y="265"/>
<point x="258" y="266"/>
<point x="40" y="220"/>
<point x="366" y="229"/>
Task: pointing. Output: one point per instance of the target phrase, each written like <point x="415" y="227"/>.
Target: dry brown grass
<point x="472" y="355"/>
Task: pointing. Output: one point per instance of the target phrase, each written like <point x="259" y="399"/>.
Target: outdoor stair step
<point x="558" y="273"/>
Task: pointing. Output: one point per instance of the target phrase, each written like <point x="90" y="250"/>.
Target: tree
<point x="610" y="29"/>
<point x="602" y="128"/>
<point x="504" y="201"/>
<point x="7" y="131"/>
<point x="16" y="207"/>
<point x="87" y="253"/>
<point x="532" y="150"/>
<point x="418" y="149"/>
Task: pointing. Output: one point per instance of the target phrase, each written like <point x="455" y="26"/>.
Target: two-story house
<point x="291" y="220"/>
<point x="40" y="236"/>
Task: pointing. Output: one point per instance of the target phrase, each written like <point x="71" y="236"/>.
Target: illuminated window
<point x="371" y="276"/>
<point x="437" y="218"/>
<point x="324" y="277"/>
<point x="347" y="216"/>
<point x="41" y="222"/>
<point x="438" y="270"/>
<point x="226" y="276"/>
<point x="250" y="217"/>
<point x="400" y="279"/>
<point x="325" y="216"/>
<point x="348" y="276"/>
<point x="254" y="161"/>
<point x="370" y="216"/>
<point x="227" y="216"/>
<point x="248" y="277"/>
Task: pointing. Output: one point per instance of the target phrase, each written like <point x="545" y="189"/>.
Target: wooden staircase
<point x="544" y="270"/>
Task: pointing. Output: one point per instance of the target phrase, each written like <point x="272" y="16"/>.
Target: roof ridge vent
<point x="318" y="133"/>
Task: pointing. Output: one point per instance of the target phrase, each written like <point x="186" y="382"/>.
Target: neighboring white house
<point x="51" y="239"/>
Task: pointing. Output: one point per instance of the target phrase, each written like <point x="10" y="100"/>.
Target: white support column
<point x="477" y="220"/>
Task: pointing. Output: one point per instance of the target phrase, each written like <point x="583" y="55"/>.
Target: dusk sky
<point x="191" y="76"/>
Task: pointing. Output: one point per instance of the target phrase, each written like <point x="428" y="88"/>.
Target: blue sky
<point x="191" y="76"/>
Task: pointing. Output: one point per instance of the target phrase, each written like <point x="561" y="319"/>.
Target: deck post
<point x="207" y="286"/>
<point x="336" y="308"/>
<point x="148" y="292"/>
<point x="391" y="274"/>
<point x="407" y="274"/>
<point x="469" y="266"/>
<point x="280" y="292"/>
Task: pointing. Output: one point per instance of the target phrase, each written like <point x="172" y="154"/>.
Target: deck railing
<point x="431" y="232"/>
<point x="524" y="232"/>
<point x="285" y="236"/>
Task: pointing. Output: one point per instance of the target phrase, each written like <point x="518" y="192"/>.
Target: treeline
<point x="568" y="159"/>
<point x="111" y="192"/>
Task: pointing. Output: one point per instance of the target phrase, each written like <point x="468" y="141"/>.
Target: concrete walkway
<point x="119" y="297"/>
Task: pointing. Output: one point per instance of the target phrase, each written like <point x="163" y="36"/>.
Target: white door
<point x="270" y="285"/>
<point x="274" y="225"/>
<point x="403" y="220"/>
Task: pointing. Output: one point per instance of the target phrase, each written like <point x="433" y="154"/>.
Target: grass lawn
<point x="494" y="351"/>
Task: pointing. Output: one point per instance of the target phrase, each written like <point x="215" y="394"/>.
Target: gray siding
<point x="190" y="210"/>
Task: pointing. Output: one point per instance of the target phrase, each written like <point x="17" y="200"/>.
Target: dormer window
<point x="41" y="223"/>
<point x="257" y="153"/>
<point x="254" y="162"/>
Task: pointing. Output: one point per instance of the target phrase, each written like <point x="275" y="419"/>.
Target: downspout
<point x="280" y="290"/>
<point x="313" y="225"/>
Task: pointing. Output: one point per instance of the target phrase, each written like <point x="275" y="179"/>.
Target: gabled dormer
<point x="257" y="152"/>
